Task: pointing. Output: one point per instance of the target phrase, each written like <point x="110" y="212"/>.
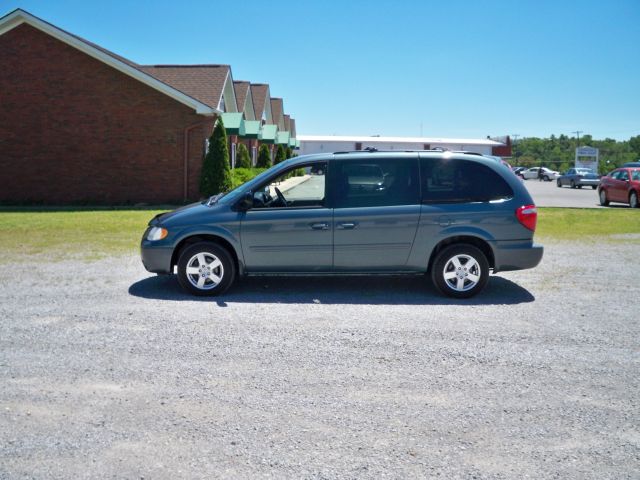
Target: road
<point x="547" y="194"/>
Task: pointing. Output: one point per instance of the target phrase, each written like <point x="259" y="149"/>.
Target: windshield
<point x="234" y="195"/>
<point x="584" y="170"/>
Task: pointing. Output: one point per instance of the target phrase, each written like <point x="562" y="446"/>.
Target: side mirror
<point x="246" y="202"/>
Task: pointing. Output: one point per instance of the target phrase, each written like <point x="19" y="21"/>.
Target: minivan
<point x="454" y="216"/>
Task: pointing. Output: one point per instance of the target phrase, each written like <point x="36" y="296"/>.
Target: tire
<point x="573" y="184"/>
<point x="604" y="201"/>
<point x="449" y="275"/>
<point x="559" y="183"/>
<point x="579" y="187"/>
<point x="633" y="200"/>
<point x="593" y="187"/>
<point x="546" y="179"/>
<point x="212" y="270"/>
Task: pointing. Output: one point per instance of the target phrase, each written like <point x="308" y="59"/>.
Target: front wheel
<point x="573" y="184"/>
<point x="205" y="268"/>
<point x="460" y="271"/>
<point x="633" y="200"/>
<point x="604" y="201"/>
<point x="559" y="183"/>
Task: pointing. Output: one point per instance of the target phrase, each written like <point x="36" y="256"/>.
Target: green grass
<point x="587" y="224"/>
<point x="93" y="233"/>
<point x="86" y="234"/>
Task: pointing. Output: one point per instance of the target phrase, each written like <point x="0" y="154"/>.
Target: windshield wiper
<point x="214" y="199"/>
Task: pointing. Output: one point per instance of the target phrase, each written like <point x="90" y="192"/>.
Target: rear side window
<point x="376" y="182"/>
<point x="635" y="175"/>
<point x="461" y="181"/>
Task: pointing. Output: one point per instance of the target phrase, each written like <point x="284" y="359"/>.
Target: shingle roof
<point x="242" y="89"/>
<point x="259" y="92"/>
<point x="277" y="109"/>
<point x="205" y="83"/>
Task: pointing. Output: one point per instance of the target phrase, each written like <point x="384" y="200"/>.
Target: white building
<point x="333" y="143"/>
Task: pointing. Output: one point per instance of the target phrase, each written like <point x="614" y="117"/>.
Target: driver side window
<point x="300" y="187"/>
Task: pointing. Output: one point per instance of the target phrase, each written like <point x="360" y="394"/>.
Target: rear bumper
<point x="156" y="259"/>
<point x="516" y="255"/>
<point x="588" y="182"/>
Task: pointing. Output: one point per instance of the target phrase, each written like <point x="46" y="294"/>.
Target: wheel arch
<point x="206" y="237"/>
<point x="478" y="242"/>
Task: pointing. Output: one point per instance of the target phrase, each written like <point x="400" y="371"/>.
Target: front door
<point x="376" y="212"/>
<point x="289" y="228"/>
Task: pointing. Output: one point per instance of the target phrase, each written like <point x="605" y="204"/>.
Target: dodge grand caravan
<point x="455" y="216"/>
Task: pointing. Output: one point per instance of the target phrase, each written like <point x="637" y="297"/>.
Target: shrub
<point x="280" y="155"/>
<point x="243" y="175"/>
<point x="264" y="157"/>
<point x="215" y="176"/>
<point x="243" y="160"/>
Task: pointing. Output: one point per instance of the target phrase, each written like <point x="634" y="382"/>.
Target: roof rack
<point x="435" y="149"/>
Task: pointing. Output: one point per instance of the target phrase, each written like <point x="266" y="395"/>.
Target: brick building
<point x="80" y="124"/>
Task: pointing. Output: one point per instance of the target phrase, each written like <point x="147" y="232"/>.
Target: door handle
<point x="319" y="226"/>
<point x="347" y="225"/>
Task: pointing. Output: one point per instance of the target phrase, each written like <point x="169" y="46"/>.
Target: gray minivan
<point x="454" y="215"/>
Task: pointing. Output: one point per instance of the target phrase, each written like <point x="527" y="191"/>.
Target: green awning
<point x="268" y="133"/>
<point x="233" y="123"/>
<point x="297" y="143"/>
<point x="292" y="142"/>
<point x="283" y="138"/>
<point x="251" y="129"/>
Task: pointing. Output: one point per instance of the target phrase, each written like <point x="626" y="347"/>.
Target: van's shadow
<point x="370" y="290"/>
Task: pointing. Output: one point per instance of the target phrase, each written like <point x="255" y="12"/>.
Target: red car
<point x="621" y="185"/>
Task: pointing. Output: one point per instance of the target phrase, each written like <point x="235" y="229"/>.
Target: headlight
<point x="157" y="233"/>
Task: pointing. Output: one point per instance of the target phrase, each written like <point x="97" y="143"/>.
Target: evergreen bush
<point x="264" y="157"/>
<point x="215" y="176"/>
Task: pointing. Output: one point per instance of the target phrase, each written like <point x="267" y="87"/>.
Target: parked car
<point x="455" y="216"/>
<point x="578" y="178"/>
<point x="547" y="174"/>
<point x="631" y="164"/>
<point x="518" y="170"/>
<point x="622" y="185"/>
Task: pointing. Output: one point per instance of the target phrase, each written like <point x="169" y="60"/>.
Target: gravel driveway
<point x="107" y="372"/>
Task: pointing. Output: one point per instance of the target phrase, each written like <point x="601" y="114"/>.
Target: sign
<point x="587" y="157"/>
<point x="586" y="152"/>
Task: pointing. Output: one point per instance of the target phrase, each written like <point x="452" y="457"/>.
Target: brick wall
<point x="74" y="130"/>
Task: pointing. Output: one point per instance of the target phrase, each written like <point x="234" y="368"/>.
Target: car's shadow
<point x="370" y="290"/>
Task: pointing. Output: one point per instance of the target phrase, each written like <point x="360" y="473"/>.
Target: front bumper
<point x="516" y="255"/>
<point x="156" y="259"/>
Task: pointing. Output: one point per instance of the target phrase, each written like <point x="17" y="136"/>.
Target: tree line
<point x="558" y="153"/>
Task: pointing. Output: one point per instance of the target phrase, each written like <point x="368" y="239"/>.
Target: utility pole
<point x="515" y="154"/>
<point x="577" y="132"/>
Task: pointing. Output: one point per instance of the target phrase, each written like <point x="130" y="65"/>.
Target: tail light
<point x="528" y="216"/>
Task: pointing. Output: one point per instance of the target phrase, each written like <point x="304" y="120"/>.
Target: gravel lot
<point x="107" y="372"/>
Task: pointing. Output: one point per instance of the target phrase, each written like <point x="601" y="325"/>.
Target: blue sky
<point x="441" y="68"/>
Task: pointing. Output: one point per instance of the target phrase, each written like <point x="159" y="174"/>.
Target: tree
<point x="280" y="155"/>
<point x="634" y="143"/>
<point x="215" y="176"/>
<point x="264" y="157"/>
<point x="288" y="153"/>
<point x="242" y="157"/>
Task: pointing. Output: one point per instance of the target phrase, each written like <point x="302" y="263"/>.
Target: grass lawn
<point x="91" y="233"/>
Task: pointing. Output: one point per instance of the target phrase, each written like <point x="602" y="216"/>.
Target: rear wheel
<point x="559" y="183"/>
<point x="593" y="187"/>
<point x="546" y="179"/>
<point x="460" y="271"/>
<point x="573" y="184"/>
<point x="604" y="201"/>
<point x="633" y="200"/>
<point x="205" y="269"/>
